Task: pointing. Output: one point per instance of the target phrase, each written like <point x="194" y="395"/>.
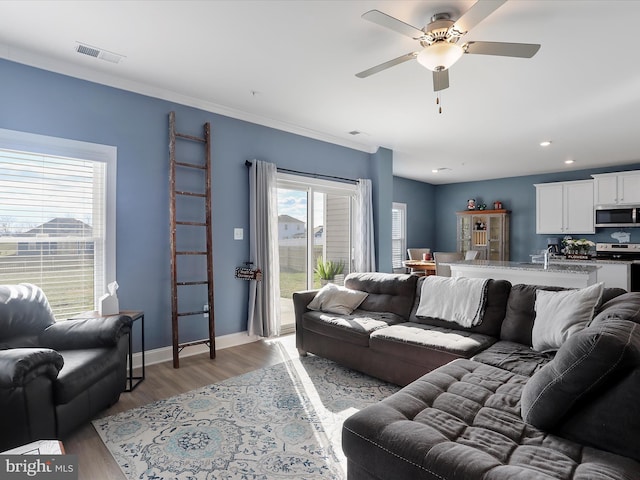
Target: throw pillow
<point x="561" y="314"/>
<point x="335" y="299"/>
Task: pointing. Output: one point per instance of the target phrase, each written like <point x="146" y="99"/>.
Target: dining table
<point x="426" y="267"/>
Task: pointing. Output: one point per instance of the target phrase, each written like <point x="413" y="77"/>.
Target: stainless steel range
<point x="629" y="252"/>
<point x="618" y="251"/>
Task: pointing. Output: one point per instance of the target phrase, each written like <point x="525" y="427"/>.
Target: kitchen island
<point x="559" y="275"/>
<point x="613" y="273"/>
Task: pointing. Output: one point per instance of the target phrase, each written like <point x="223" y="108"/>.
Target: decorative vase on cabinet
<point x="486" y="231"/>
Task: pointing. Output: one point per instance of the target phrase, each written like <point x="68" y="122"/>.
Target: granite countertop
<point x="564" y="267"/>
<point x="593" y="261"/>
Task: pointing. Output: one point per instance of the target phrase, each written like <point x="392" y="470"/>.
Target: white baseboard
<point x="165" y="354"/>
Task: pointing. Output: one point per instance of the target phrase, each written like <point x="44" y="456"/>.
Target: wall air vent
<point x="98" y="53"/>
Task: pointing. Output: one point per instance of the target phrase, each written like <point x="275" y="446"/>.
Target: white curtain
<point x="365" y="257"/>
<point x="264" y="296"/>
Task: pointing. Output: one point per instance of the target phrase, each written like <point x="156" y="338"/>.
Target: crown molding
<point x="43" y="62"/>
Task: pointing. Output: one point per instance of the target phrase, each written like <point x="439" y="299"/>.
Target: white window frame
<point x="402" y="208"/>
<point x="107" y="154"/>
<point x="312" y="185"/>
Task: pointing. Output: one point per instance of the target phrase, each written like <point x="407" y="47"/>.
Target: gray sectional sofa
<point x="480" y="402"/>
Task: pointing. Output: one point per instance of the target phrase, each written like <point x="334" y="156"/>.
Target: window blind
<point x="52" y="227"/>
<point x="398" y="234"/>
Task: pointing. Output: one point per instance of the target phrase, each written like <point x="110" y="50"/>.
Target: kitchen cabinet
<point x="565" y="207"/>
<point x="619" y="188"/>
<point x="486" y="231"/>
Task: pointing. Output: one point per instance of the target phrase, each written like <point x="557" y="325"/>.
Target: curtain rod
<point x="248" y="163"/>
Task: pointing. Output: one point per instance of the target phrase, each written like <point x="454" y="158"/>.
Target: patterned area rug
<point x="283" y="421"/>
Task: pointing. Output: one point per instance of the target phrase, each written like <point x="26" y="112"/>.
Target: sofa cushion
<point x="462" y="421"/>
<point x="335" y="299"/>
<point x="520" y="312"/>
<point x="458" y="299"/>
<point x="622" y="307"/>
<point x="594" y="379"/>
<point x="414" y="341"/>
<point x="495" y="306"/>
<point x="561" y="314"/>
<point x="387" y="292"/>
<point x="515" y="357"/>
<point x="354" y="328"/>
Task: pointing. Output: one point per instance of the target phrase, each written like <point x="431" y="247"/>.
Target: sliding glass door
<point x="314" y="236"/>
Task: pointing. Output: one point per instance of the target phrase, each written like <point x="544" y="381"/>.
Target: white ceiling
<point x="292" y="64"/>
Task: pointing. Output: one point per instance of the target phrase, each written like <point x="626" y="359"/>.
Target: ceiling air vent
<point x="98" y="53"/>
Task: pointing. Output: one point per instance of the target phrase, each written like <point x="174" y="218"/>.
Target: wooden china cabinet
<point x="486" y="231"/>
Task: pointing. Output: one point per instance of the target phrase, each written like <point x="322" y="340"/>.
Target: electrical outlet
<point x="206" y="310"/>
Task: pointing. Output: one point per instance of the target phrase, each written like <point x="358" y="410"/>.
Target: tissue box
<point x="108" y="305"/>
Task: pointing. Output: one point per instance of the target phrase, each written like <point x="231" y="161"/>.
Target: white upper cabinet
<point x="564" y="207"/>
<point x="620" y="188"/>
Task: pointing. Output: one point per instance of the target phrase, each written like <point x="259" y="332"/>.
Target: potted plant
<point x="328" y="270"/>
<point x="578" y="249"/>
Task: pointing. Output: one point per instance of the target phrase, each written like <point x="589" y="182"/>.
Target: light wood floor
<point x="162" y="381"/>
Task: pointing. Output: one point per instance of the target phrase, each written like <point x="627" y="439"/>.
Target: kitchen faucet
<point x="546" y="256"/>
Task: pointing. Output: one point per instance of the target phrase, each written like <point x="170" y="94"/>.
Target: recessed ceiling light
<point x="546" y="143"/>
<point x="438" y="170"/>
<point x="569" y="161"/>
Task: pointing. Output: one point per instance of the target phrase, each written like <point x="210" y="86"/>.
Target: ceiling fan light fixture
<point x="440" y="55"/>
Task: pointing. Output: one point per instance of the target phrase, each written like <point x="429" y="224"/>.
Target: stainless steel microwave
<point x="627" y="216"/>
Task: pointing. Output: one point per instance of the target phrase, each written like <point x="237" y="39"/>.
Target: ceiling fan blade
<point x="523" y="50"/>
<point x="440" y="80"/>
<point x="384" y="20"/>
<point x="385" y="65"/>
<point x="478" y="12"/>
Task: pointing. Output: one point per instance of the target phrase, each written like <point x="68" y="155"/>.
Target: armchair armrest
<point x="86" y="333"/>
<point x="18" y="366"/>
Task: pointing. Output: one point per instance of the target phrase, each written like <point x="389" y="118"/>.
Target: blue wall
<point x="420" y="199"/>
<point x="382" y="199"/>
<point x="517" y="194"/>
<point x="42" y="102"/>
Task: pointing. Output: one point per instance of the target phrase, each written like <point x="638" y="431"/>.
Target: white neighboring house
<point x="291" y="228"/>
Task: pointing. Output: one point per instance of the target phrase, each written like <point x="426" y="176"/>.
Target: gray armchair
<point x="55" y="376"/>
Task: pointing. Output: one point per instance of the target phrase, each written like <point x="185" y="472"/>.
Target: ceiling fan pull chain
<point x="438" y="103"/>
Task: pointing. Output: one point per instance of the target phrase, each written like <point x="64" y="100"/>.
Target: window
<point x="398" y="234"/>
<point x="322" y="211"/>
<point x="57" y="218"/>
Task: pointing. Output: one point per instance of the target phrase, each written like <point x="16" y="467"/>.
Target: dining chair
<point x="445" y="257"/>
<point x="471" y="254"/>
<point x="416" y="254"/>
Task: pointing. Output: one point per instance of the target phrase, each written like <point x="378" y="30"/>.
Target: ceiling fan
<point x="439" y="41"/>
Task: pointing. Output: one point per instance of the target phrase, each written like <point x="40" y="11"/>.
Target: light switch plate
<point x="238" y="233"/>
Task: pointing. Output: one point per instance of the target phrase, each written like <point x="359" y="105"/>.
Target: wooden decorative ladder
<point x="186" y="227"/>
